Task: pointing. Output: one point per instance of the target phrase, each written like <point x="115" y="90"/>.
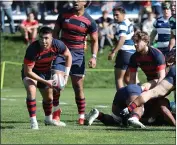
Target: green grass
<point x="15" y="122"/>
<point x="13" y="49"/>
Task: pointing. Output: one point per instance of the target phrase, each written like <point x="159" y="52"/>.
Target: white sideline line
<point x="101" y="106"/>
<point x="8" y="99"/>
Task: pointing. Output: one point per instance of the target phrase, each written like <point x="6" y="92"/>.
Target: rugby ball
<point x="58" y="81"/>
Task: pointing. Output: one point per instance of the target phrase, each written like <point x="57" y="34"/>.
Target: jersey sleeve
<point x="154" y="24"/>
<point x="59" y="45"/>
<point x="122" y="30"/>
<point x="93" y="27"/>
<point x="160" y="61"/>
<point x="30" y="55"/>
<point x="133" y="64"/>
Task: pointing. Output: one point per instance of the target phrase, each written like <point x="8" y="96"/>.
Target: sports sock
<point x="81" y="106"/>
<point x="31" y="105"/>
<point x="47" y="106"/>
<point x="135" y="115"/>
<point x="56" y="96"/>
<point x="132" y="106"/>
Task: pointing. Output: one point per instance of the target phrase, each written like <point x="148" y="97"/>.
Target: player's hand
<point x="92" y="63"/>
<point x="49" y="83"/>
<point x="125" y="112"/>
<point x="66" y="79"/>
<point x="111" y="56"/>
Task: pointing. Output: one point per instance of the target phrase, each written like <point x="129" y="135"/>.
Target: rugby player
<point x="74" y="26"/>
<point x="36" y="73"/>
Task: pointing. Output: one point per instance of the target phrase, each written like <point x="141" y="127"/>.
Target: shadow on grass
<point x="14" y="38"/>
<point x="14" y="122"/>
<point x="7" y="127"/>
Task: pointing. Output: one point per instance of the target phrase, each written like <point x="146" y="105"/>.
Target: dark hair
<point x="140" y="35"/>
<point x="105" y="12"/>
<point x="45" y="30"/>
<point x="120" y="9"/>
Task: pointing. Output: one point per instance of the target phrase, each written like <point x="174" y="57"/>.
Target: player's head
<point x="141" y="40"/>
<point x="79" y="4"/>
<point x="166" y="9"/>
<point x="173" y="7"/>
<point x="119" y="14"/>
<point x="105" y="14"/>
<point x="45" y="37"/>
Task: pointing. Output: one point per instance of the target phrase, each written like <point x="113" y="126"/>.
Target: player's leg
<point x="106" y="119"/>
<point x="136" y="114"/>
<point x="57" y="68"/>
<point x="33" y="34"/>
<point x="119" y="77"/>
<point x="77" y="83"/>
<point x="77" y="73"/>
<point x="162" y="89"/>
<point x="30" y="86"/>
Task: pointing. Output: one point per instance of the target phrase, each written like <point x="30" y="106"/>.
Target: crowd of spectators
<point x="147" y="12"/>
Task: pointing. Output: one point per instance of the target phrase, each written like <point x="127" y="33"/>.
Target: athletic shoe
<point x="133" y="121"/>
<point x="34" y="125"/>
<point x="56" y="114"/>
<point x="81" y="121"/>
<point x="93" y="114"/>
<point x="59" y="123"/>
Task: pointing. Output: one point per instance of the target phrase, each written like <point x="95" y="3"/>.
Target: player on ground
<point x="75" y="25"/>
<point x="124" y="96"/>
<point x="150" y="60"/>
<point x="36" y="73"/>
<point x="162" y="29"/>
<point x="124" y="47"/>
<point x="166" y="86"/>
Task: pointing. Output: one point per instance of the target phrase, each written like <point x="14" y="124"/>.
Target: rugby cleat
<point x="133" y="121"/>
<point x="34" y="125"/>
<point x="93" y="114"/>
<point x="59" y="123"/>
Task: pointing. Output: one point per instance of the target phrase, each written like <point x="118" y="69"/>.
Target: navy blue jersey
<point x="75" y="29"/>
<point x="126" y="92"/>
<point x="41" y="58"/>
<point x="171" y="75"/>
<point x="151" y="63"/>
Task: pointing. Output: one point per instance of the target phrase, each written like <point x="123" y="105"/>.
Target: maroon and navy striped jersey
<point x="40" y="58"/>
<point x="151" y="63"/>
<point x="75" y="29"/>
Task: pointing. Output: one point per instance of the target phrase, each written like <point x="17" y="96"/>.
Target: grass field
<point x="15" y="127"/>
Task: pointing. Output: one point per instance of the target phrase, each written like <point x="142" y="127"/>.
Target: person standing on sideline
<point x="36" y="73"/>
<point x="75" y="25"/>
<point x="6" y="9"/>
<point x="162" y="29"/>
<point x="124" y="47"/>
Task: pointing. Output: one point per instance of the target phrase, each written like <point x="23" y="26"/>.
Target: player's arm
<point x="57" y="27"/>
<point x="29" y="73"/>
<point x="172" y="41"/>
<point x="152" y="36"/>
<point x="133" y="69"/>
<point x="153" y="33"/>
<point x="161" y="65"/>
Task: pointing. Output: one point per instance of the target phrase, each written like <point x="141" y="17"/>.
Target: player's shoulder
<point x="155" y="51"/>
<point x="160" y="18"/>
<point x="57" y="43"/>
<point x="34" y="47"/>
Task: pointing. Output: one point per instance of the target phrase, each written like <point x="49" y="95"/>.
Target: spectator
<point x="156" y="7"/>
<point x="29" y="28"/>
<point x="32" y="6"/>
<point x="148" y="24"/>
<point x="162" y="29"/>
<point x="105" y="30"/>
<point x="6" y="9"/>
